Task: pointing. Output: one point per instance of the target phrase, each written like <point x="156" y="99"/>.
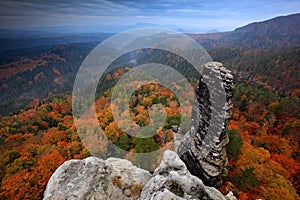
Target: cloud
<point x="222" y="15"/>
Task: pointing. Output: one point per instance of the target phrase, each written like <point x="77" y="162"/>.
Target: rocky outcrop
<point x="93" y="178"/>
<point x="172" y="180"/>
<point x="203" y="148"/>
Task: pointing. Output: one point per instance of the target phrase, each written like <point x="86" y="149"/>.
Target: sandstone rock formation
<point x="172" y="180"/>
<point x="203" y="147"/>
<point x="93" y="178"/>
<point x="118" y="179"/>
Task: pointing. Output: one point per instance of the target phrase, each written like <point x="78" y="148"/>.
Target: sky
<point x="191" y="16"/>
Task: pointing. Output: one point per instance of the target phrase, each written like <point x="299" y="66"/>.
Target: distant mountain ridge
<point x="281" y="25"/>
<point x="278" y="32"/>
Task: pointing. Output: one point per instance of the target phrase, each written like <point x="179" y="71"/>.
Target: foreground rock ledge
<point x="94" y="178"/>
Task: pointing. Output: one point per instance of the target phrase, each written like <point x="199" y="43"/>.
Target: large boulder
<point x="94" y="178"/>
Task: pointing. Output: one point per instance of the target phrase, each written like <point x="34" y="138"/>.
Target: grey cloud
<point x="182" y="13"/>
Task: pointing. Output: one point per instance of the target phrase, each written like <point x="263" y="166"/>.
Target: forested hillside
<point x="33" y="73"/>
<point x="278" y="32"/>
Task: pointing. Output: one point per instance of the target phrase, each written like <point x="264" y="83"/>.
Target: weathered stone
<point x="93" y="178"/>
<point x="174" y="180"/>
<point x="203" y="148"/>
<point x="230" y="196"/>
<point x="165" y="194"/>
<point x="127" y="192"/>
<point x="171" y="162"/>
